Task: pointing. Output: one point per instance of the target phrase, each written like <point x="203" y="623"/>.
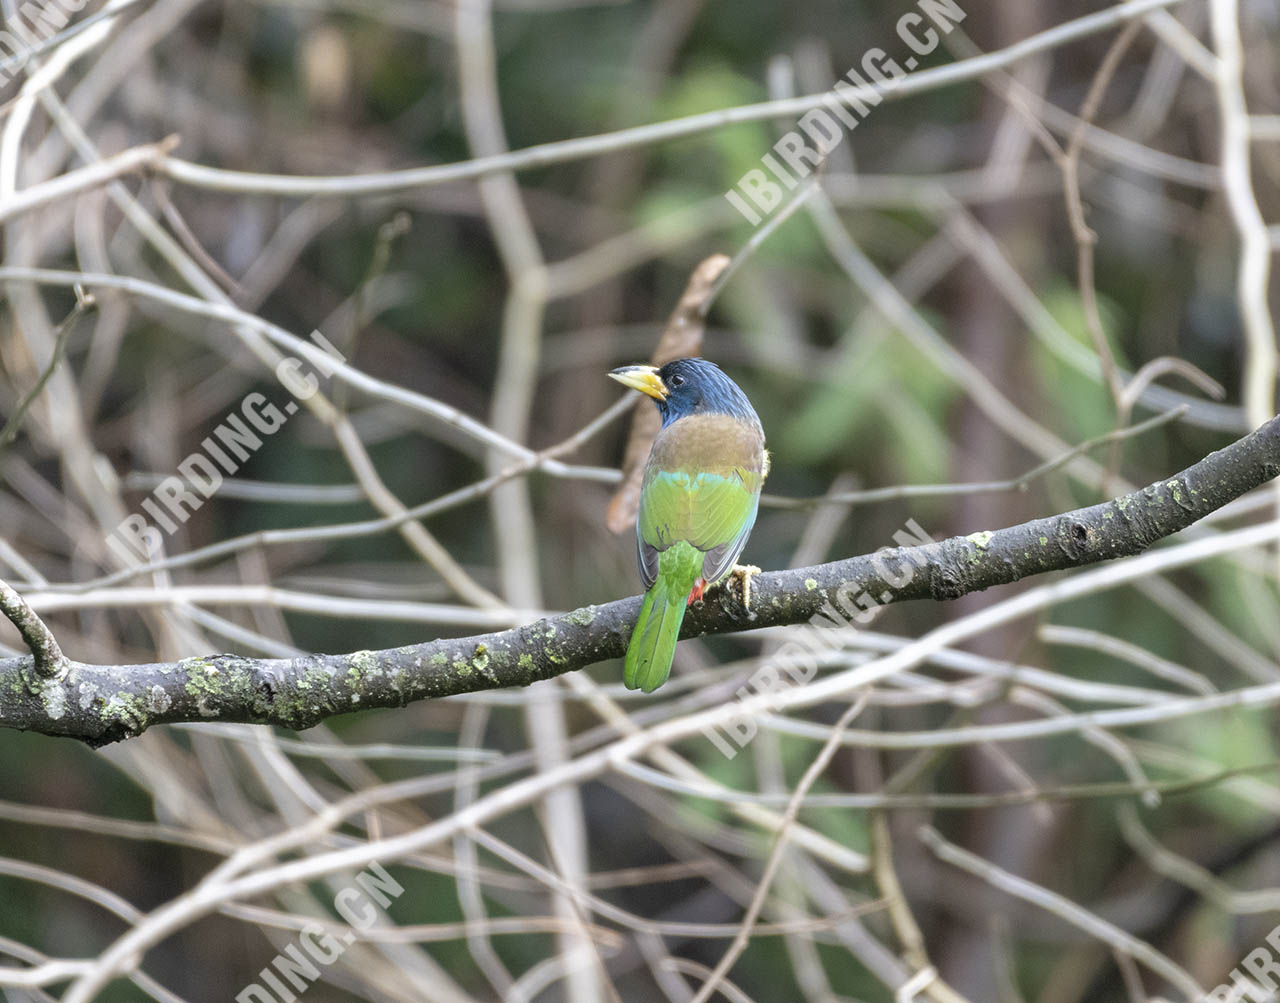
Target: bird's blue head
<point x="688" y="386"/>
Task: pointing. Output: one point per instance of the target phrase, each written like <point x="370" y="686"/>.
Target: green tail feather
<point x="653" y="642"/>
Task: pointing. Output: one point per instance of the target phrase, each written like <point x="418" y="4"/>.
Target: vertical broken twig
<point x="681" y="338"/>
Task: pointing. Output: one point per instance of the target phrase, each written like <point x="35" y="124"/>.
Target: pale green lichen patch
<point x="1044" y="541"/>
<point x="129" y="711"/>
<point x="525" y="661"/>
<point x="811" y="583"/>
<point x="211" y="686"/>
<point x="315" y="678"/>
<point x="360" y="665"/>
<point x="439" y="658"/>
<point x="362" y="662"/>
<point x="203" y="683"/>
<point x="584" y="617"/>
<point x="980" y="540"/>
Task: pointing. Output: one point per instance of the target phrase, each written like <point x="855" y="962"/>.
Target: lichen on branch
<point x="107" y="703"/>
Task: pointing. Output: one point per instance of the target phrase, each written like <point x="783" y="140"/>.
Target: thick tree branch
<point x="107" y="703"/>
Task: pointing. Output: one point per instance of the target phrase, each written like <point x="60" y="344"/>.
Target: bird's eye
<point x="675" y="380"/>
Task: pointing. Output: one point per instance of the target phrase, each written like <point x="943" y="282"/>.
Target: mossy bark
<point x="106" y="703"/>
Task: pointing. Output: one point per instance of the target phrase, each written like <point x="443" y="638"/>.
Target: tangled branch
<point x="107" y="703"/>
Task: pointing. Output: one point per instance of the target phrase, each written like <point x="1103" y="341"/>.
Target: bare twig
<point x="1063" y="908"/>
<point x="1085" y="238"/>
<point x="811" y="774"/>
<point x="1255" y="246"/>
<point x="49" y="661"/>
<point x="11" y="427"/>
<point x="1018" y="483"/>
<point x="577" y="149"/>
<point x="86" y="178"/>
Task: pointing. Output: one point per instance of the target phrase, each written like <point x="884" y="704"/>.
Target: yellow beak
<point x="642" y="378"/>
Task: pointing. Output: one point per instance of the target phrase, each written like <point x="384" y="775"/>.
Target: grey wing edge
<point x="646" y="560"/>
<point x="719" y="561"/>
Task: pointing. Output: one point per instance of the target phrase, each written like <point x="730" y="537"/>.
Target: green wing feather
<point x="707" y="509"/>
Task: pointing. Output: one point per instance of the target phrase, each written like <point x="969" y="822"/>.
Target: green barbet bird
<point x="698" y="500"/>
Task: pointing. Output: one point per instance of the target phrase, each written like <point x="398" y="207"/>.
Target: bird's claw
<point x="738" y="584"/>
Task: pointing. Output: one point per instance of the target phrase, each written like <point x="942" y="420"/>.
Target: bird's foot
<point x="697" y="592"/>
<point x="738" y="584"/>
